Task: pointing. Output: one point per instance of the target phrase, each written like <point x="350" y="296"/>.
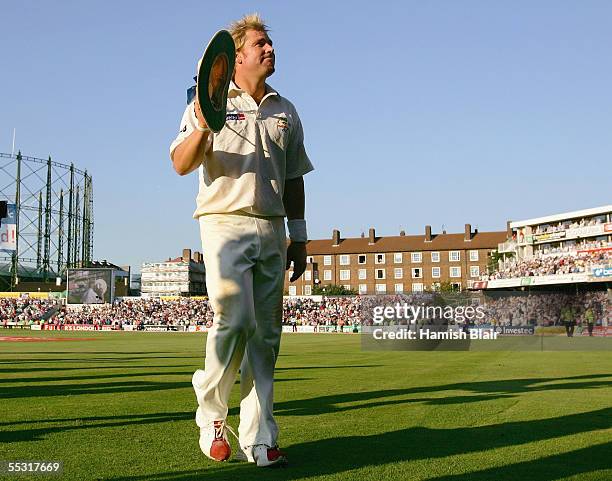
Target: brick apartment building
<point x="395" y="264"/>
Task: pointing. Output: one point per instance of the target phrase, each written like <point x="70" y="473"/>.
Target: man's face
<point x="256" y="57"/>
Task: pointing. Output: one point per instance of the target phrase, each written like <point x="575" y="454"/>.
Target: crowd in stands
<point x="24" y="310"/>
<point x="335" y="313"/>
<point x="545" y="266"/>
<point x="571" y="248"/>
<point x="565" y="225"/>
<point x="546" y="308"/>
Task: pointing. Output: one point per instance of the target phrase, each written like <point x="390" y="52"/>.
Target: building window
<point x="454" y="256"/>
<point x="309" y="260"/>
<point x="381" y="288"/>
<point x="363" y="289"/>
<point x="289" y="274"/>
<point x="293" y="290"/>
<point x="435" y="272"/>
<point x="398" y="273"/>
<point x="307" y="290"/>
<point x="417" y="287"/>
<point x="380" y="258"/>
<point x="474" y="271"/>
<point x="398" y="258"/>
<point x="417" y="257"/>
<point x="347" y="287"/>
<point x="345" y="274"/>
<point x="362" y="274"/>
<point x="307" y="275"/>
<point x="361" y="258"/>
<point x="399" y="288"/>
<point x="435" y="257"/>
<point x="327" y="275"/>
<point x="327" y="260"/>
<point x="380" y="273"/>
<point x="473" y="256"/>
<point x="455" y="271"/>
<point x="345" y="260"/>
<point x="435" y="286"/>
<point x="456" y="286"/>
<point x="417" y="273"/>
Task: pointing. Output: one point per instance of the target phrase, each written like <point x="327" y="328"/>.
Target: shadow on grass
<point x="46" y="390"/>
<point x="479" y="391"/>
<point x="341" y="454"/>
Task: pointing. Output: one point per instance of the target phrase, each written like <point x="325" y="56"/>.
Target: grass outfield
<point x="121" y="407"/>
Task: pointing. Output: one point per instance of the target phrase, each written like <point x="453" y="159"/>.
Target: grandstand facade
<point x="568" y="248"/>
<point x="397" y="264"/>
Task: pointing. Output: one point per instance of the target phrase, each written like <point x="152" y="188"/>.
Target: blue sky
<point x="439" y="112"/>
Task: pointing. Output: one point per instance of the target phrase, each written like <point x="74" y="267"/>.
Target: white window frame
<point x="327" y="260"/>
<point x="376" y="259"/>
<point x="327" y="275"/>
<point x="398" y="273"/>
<point x="381" y="288"/>
<point x="307" y="290"/>
<point x="433" y="272"/>
<point x="473" y="256"/>
<point x="362" y="274"/>
<point x="363" y="288"/>
<point x="474" y="271"/>
<point x="398" y="258"/>
<point x="451" y="255"/>
<point x="456" y="285"/>
<point x="293" y="290"/>
<point x="347" y="287"/>
<point x="365" y="259"/>
<point x="416" y="257"/>
<point x="414" y="270"/>
<point x="345" y="274"/>
<point x="345" y="259"/>
<point x="455" y="270"/>
<point x="435" y="256"/>
<point x="309" y="260"/>
<point x="384" y="274"/>
<point x="399" y="288"/>
<point x="308" y="275"/>
<point x="417" y="287"/>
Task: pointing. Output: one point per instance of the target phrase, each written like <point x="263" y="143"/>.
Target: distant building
<point x="182" y="276"/>
<point x="571" y="248"/>
<point x="397" y="264"/>
<point x="567" y="233"/>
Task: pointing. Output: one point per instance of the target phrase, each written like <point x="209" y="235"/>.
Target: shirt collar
<point x="233" y="88"/>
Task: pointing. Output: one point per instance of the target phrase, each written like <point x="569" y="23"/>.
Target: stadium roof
<point x="565" y="216"/>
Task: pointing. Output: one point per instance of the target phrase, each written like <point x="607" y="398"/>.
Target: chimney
<point x="468" y="232"/>
<point x="427" y="233"/>
<point x="336" y="237"/>
<point x="186" y="255"/>
<point x="508" y="229"/>
<point x="372" y="236"/>
<point x="402" y="233"/>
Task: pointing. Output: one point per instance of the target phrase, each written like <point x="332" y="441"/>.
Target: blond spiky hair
<point x="239" y="28"/>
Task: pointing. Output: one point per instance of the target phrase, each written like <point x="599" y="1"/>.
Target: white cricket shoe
<point x="262" y="455"/>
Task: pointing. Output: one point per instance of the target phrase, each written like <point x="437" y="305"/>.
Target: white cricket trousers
<point x="244" y="258"/>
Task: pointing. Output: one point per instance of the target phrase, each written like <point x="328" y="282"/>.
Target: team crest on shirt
<point x="234" y="116"/>
<point x="283" y="124"/>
